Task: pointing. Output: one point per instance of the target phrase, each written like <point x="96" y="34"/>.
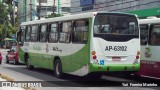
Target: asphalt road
<point x="70" y="82"/>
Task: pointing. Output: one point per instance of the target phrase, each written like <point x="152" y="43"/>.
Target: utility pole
<point x="59" y="7"/>
<point x="53" y="5"/>
<point x="34" y="9"/>
<point x="30" y="10"/>
<point x="39" y="11"/>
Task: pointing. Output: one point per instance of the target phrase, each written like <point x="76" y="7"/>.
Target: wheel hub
<point x="57" y="68"/>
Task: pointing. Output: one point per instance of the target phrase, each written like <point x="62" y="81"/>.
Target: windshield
<point x="115" y="24"/>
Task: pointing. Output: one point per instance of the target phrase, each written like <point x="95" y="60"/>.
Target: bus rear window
<point x="115" y="24"/>
<point x="155" y="35"/>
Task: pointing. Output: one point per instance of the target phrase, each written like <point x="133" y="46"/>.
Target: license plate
<point x="116" y="58"/>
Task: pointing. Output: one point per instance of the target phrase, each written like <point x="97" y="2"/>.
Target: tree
<point x="3" y="18"/>
<point x="7" y="27"/>
<point x="10" y="10"/>
<point x="4" y="13"/>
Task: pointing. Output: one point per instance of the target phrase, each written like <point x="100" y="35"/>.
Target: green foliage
<point x="7" y="28"/>
<point x="1" y="29"/>
<point x="12" y="30"/>
<point x="4" y="12"/>
<point x="54" y="15"/>
<point x="7" y="1"/>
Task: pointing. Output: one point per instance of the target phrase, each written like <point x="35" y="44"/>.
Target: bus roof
<point x="149" y="21"/>
<point x="65" y="18"/>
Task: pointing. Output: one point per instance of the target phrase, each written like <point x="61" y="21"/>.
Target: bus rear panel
<point x="115" y="45"/>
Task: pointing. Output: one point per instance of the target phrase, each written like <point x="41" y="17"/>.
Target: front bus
<point x="115" y="45"/>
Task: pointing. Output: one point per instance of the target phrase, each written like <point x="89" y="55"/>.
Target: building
<point x="143" y="8"/>
<point x="75" y="7"/>
<point x="29" y="9"/>
<point x="60" y="7"/>
<point x="25" y="13"/>
<point x="63" y="6"/>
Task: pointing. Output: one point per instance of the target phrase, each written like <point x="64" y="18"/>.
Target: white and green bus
<point x="81" y="44"/>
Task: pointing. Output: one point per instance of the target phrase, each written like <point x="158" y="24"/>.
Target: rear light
<point x="137" y="57"/>
<point x="93" y="53"/>
<point x="138" y="53"/>
<point x="94" y="57"/>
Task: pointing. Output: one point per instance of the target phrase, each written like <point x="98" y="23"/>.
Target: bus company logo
<point x="147" y="53"/>
<point x="26" y="44"/>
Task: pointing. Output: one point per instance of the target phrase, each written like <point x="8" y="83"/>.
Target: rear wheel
<point x="30" y="67"/>
<point x="58" y="68"/>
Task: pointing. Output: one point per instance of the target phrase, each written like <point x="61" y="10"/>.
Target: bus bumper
<point x="115" y="68"/>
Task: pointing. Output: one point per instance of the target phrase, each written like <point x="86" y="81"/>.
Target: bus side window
<point x="20" y="36"/>
<point x="27" y="33"/>
<point x="65" y="33"/>
<point x="155" y="35"/>
<point x="34" y="33"/>
<point x="53" y="33"/>
<point x="43" y="33"/>
<point x="144" y="34"/>
<point x="80" y="33"/>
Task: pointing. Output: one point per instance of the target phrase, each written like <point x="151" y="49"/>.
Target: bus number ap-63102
<point x="116" y="48"/>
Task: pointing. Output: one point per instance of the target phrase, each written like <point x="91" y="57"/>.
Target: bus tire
<point x="7" y="60"/>
<point x="30" y="67"/>
<point x="58" y="68"/>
